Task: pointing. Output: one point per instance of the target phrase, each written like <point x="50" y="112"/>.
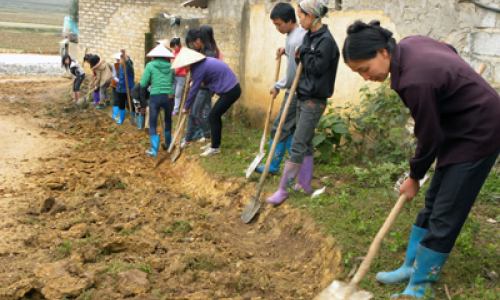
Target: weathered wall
<point x="106" y="26"/>
<point x="474" y="31"/>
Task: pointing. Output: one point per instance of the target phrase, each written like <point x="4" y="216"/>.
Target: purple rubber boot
<point x="305" y="175"/>
<point x="96" y="98"/>
<point x="288" y="179"/>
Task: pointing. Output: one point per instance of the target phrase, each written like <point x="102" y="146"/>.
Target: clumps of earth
<point x="97" y="222"/>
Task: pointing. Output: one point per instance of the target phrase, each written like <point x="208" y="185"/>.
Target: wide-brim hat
<point x="187" y="57"/>
<point x="116" y="56"/>
<point x="160" y="51"/>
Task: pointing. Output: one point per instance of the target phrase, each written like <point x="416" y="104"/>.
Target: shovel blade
<point x="251" y="209"/>
<point x="132" y="121"/>
<point x="176" y="154"/>
<point x="338" y="290"/>
<point x="255" y="164"/>
<point x="162" y="160"/>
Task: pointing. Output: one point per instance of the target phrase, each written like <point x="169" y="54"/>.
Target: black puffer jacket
<point x="319" y="55"/>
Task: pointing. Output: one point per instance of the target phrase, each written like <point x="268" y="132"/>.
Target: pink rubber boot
<point x="287" y="180"/>
<point x="305" y="175"/>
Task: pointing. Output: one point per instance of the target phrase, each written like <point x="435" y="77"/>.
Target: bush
<point x="74" y="10"/>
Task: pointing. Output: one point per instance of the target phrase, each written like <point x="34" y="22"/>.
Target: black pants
<point x="225" y="101"/>
<point x="116" y="101"/>
<point x="449" y="199"/>
<point x="123" y="102"/>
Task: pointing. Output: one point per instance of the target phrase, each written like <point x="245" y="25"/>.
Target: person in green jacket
<point x="161" y="78"/>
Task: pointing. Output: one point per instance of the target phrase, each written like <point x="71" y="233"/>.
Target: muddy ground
<point x="83" y="215"/>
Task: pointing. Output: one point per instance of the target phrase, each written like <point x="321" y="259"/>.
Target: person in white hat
<point x="161" y="77"/>
<point x="218" y="78"/>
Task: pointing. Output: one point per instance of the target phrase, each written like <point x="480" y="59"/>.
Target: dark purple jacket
<point x="217" y="76"/>
<point x="456" y="112"/>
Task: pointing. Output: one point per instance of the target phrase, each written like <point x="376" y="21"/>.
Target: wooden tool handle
<point x="480" y="69"/>
<point x="178" y="128"/>
<point x="126" y="79"/>
<point x="280" y="128"/>
<point x="375" y="246"/>
<point x="268" y="117"/>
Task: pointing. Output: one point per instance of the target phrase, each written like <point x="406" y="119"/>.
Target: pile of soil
<point x="97" y="222"/>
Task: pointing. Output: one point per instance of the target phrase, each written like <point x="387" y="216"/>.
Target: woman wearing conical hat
<point x="159" y="73"/>
<point x="218" y="78"/>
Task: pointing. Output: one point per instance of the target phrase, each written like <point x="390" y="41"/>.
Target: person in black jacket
<point x="319" y="56"/>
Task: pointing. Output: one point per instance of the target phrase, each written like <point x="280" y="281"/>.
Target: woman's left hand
<point x="410" y="187"/>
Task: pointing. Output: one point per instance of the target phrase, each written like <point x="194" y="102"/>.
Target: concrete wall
<point x="474" y="31"/>
<point x="106" y="26"/>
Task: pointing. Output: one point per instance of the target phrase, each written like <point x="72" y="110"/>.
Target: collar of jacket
<point x="395" y="68"/>
<point x="320" y="31"/>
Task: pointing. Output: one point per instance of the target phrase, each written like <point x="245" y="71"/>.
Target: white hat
<point x="160" y="51"/>
<point x="187" y="57"/>
<point x="116" y="56"/>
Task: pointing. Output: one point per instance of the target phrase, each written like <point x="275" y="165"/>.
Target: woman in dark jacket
<point x="457" y="116"/>
<point x="76" y="70"/>
<point x="319" y="56"/>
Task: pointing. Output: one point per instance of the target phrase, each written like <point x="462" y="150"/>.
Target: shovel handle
<point x="271" y="103"/>
<point x="375" y="246"/>
<point x="178" y="127"/>
<point x="278" y="131"/>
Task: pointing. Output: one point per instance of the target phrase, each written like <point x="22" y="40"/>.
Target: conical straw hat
<point x="160" y="51"/>
<point x="116" y="56"/>
<point x="162" y="42"/>
<point x="187" y="57"/>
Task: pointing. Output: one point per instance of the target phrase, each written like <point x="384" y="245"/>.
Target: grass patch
<point x="114" y="268"/>
<point x="358" y="199"/>
<point x="199" y="262"/>
<point x="179" y="227"/>
<point x="64" y="250"/>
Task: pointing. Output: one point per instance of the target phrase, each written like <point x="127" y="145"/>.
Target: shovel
<point x="255" y="204"/>
<point x="177" y="127"/>
<point x="262" y="152"/>
<point x="178" y="150"/>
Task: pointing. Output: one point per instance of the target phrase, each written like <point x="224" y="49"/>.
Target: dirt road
<point x="86" y="217"/>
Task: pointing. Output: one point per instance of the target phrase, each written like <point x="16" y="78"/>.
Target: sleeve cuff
<point x="416" y="176"/>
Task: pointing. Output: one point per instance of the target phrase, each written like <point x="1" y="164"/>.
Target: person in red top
<point x="180" y="77"/>
<point x="457" y="121"/>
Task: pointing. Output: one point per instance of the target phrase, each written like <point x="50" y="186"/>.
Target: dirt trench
<point x="91" y="219"/>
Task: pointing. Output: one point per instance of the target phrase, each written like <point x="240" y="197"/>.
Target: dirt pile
<point x="99" y="223"/>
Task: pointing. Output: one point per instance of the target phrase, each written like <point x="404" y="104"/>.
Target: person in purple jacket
<point x="218" y="78"/>
<point x="457" y="121"/>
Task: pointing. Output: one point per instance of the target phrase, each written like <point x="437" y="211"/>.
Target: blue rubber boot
<point x="140" y="120"/>
<point x="403" y="274"/>
<point x="132" y="114"/>
<point x="116" y="109"/>
<point x="168" y="139"/>
<point x="198" y="134"/>
<point x="100" y="105"/>
<point x="107" y="102"/>
<point x="155" y="144"/>
<point x="288" y="145"/>
<point x="426" y="270"/>
<point x="123" y="112"/>
<point x="278" y="156"/>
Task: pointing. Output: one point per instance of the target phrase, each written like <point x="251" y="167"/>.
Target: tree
<point x="73" y="10"/>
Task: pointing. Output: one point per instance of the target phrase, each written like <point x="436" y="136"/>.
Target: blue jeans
<point x="202" y="103"/>
<point x="156" y="102"/>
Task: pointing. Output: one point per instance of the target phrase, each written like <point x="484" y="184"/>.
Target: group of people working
<point x="456" y="113"/>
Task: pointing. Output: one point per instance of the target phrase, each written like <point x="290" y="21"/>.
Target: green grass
<point x="114" y="268"/>
<point x="356" y="204"/>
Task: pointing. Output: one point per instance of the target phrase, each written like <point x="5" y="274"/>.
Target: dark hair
<point x="193" y="35"/>
<point x="63" y="61"/>
<point x="88" y="56"/>
<point x="364" y="40"/>
<point x="94" y="60"/>
<point x="285" y="12"/>
<point x="209" y="36"/>
<point x="175" y="41"/>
